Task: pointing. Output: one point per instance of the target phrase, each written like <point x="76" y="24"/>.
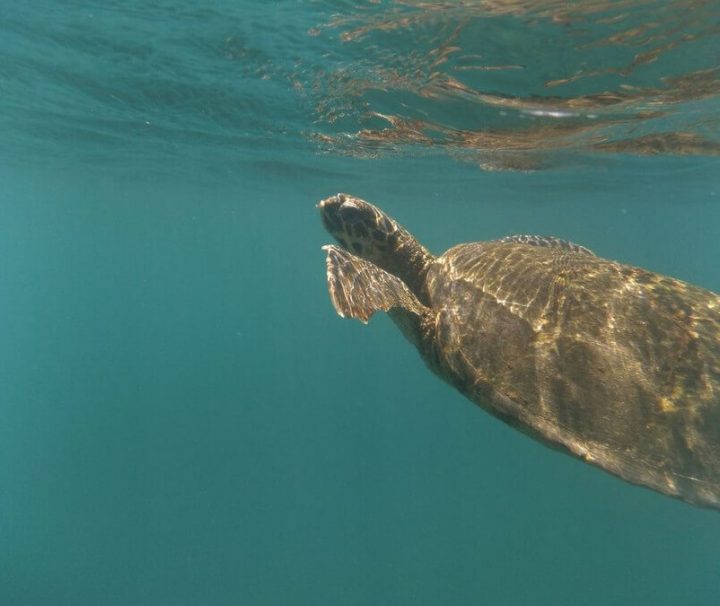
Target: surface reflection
<point x="511" y="84"/>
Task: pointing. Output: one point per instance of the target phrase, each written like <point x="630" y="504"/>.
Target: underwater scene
<point x="184" y="418"/>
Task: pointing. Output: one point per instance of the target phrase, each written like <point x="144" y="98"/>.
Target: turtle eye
<point x="350" y="213"/>
<point x="360" y="230"/>
<point x="331" y="220"/>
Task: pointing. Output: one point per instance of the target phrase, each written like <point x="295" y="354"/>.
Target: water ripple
<point x="503" y="84"/>
<point x="511" y="84"/>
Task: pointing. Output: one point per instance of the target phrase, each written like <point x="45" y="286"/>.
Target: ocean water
<point x="183" y="417"/>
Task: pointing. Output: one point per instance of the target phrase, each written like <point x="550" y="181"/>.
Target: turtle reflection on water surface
<point x="613" y="364"/>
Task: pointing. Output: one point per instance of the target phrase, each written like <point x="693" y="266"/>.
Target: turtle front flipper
<point x="359" y="288"/>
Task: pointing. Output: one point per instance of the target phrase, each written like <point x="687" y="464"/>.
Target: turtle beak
<point x="329" y="208"/>
<point x="335" y="200"/>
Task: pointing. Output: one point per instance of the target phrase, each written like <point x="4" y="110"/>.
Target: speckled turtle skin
<point x="613" y="364"/>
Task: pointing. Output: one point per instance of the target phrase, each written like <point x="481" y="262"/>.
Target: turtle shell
<point x="614" y="364"/>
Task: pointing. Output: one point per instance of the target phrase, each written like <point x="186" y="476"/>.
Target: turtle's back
<point x="618" y="365"/>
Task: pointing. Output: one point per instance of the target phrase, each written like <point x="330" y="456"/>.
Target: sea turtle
<point x="613" y="364"/>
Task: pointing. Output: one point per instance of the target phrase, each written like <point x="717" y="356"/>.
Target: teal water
<point x="183" y="417"/>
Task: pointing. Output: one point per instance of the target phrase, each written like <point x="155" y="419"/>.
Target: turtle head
<point x="360" y="227"/>
<point x="367" y="232"/>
